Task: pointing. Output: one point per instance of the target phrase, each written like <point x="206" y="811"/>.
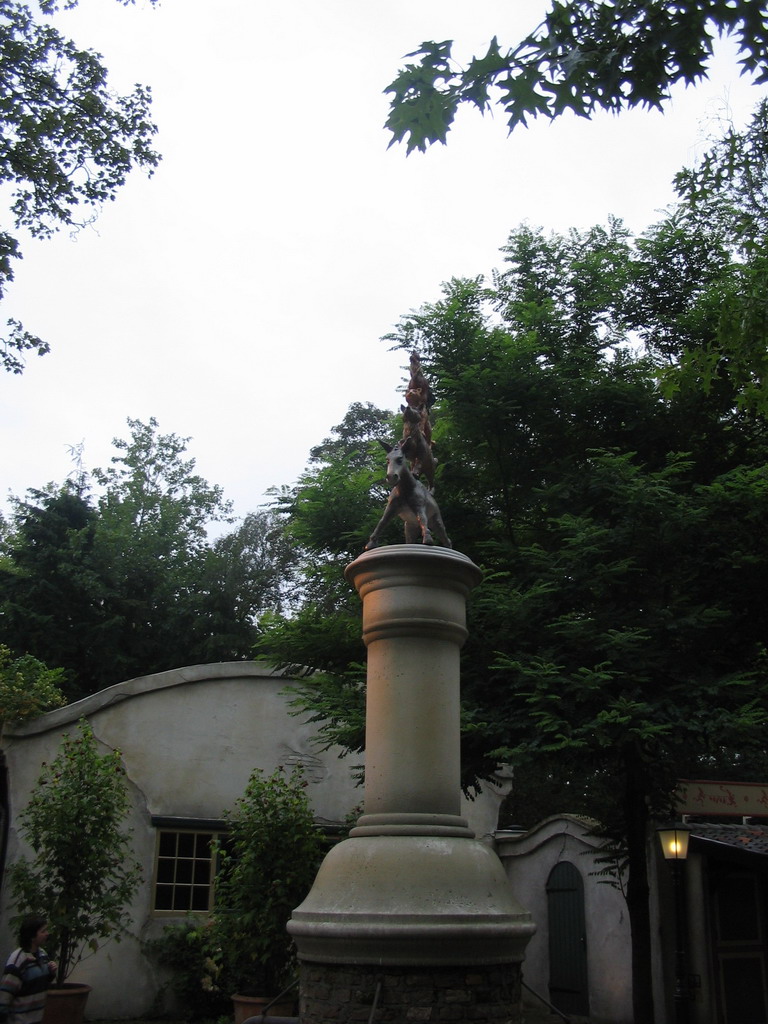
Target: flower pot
<point x="65" y="1004"/>
<point x="252" y="1006"/>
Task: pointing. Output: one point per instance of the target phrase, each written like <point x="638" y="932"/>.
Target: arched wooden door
<point x="568" y="976"/>
<point x="4" y="814"/>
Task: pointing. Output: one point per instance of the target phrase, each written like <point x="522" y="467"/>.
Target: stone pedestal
<point x="412" y="888"/>
<point x="343" y="992"/>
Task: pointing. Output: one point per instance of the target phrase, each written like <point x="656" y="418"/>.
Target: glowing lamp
<point x="674" y="841"/>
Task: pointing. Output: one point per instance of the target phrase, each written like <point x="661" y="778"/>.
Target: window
<point x="184" y="866"/>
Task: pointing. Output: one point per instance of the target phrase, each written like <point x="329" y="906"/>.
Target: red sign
<point x="735" y="799"/>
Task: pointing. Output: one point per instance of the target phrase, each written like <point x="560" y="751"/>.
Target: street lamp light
<point x="674" y="841"/>
<point x="674" y="844"/>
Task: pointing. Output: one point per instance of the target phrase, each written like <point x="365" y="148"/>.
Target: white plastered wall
<point x="189" y="738"/>
<point x="528" y="858"/>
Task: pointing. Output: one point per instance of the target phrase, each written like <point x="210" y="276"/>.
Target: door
<point x="568" y="976"/>
<point x="741" y="946"/>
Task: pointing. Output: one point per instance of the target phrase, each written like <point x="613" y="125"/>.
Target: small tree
<point x="267" y="868"/>
<point x="82" y="875"/>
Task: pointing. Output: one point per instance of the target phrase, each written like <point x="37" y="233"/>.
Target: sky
<point x="240" y="294"/>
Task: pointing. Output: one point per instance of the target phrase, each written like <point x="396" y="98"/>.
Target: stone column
<point x="411" y="889"/>
<point x="414" y="625"/>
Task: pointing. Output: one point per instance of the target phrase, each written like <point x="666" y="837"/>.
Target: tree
<point x="724" y="204"/>
<point x="126" y="582"/>
<point x="586" y="56"/>
<point x="335" y="504"/>
<point x="81" y="873"/>
<point x="350" y="443"/>
<point x="349" y="463"/>
<point x="619" y="629"/>
<point x="151" y="542"/>
<point x="149" y="485"/>
<point x="626" y="649"/>
<point x="325" y="534"/>
<point x="247" y="571"/>
<point x="69" y="143"/>
<point x="53" y="600"/>
<point x="652" y="667"/>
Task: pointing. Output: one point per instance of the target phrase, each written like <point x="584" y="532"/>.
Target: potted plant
<point x="267" y="865"/>
<point x="81" y="876"/>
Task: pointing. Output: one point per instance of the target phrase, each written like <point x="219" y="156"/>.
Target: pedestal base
<point x="405" y="899"/>
<point x="343" y="993"/>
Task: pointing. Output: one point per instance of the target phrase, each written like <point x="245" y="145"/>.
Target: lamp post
<point x="674" y="844"/>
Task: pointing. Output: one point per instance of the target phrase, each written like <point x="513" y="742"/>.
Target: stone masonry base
<point x="345" y="993"/>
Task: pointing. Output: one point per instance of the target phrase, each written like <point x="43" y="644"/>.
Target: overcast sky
<point x="239" y="294"/>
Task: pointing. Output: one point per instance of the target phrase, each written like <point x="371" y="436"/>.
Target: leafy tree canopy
<point x="126" y="582"/>
<point x="724" y="205"/>
<point x="619" y="630"/>
<point x="336" y="499"/>
<point x="68" y="141"/>
<point x="587" y="55"/>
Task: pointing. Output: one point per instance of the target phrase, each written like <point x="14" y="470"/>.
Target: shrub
<point x="191" y="953"/>
<point x="28" y="688"/>
<point x="268" y="864"/>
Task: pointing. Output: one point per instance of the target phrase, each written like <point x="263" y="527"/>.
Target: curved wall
<point x="190" y="739"/>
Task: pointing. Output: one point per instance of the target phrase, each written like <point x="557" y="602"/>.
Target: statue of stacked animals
<point x="411" y="470"/>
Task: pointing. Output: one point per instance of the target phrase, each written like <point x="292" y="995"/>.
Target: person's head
<point x="29" y="929"/>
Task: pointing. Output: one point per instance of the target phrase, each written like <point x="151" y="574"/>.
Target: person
<point x="27" y="976"/>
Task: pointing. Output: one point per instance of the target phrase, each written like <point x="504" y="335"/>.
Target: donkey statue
<point x="410" y="500"/>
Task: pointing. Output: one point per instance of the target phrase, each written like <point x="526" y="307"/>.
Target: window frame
<point x="178" y="827"/>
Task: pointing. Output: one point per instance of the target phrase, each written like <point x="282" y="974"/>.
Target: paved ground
<point x="531" y="1015"/>
<point x="540" y="1015"/>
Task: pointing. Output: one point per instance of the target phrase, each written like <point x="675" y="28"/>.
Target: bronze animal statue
<point x="420" y="451"/>
<point x="419" y="392"/>
<point x="419" y="399"/>
<point x="410" y="500"/>
<point x="415" y="411"/>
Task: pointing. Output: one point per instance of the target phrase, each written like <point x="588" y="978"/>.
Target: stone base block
<point x="341" y="993"/>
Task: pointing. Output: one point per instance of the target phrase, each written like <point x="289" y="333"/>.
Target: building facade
<point x="190" y="739"/>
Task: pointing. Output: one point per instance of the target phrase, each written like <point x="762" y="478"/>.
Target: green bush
<point x="268" y="865"/>
<point x="191" y="953"/>
<point x="28" y="688"/>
